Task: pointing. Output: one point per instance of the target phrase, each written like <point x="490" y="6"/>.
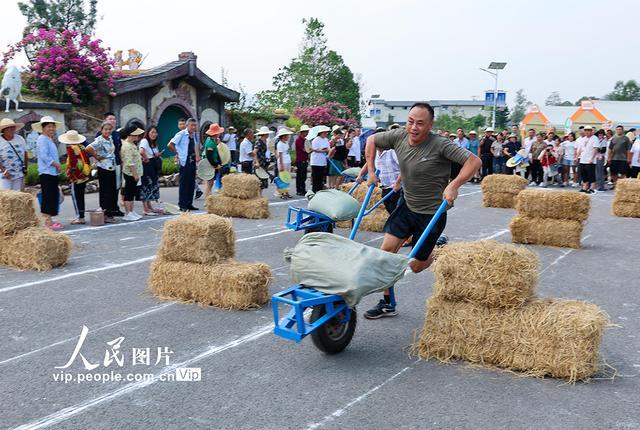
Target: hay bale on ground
<point x="553" y="204"/>
<point x="486" y="272"/>
<point x="503" y="184"/>
<point x="374" y="222"/>
<point x="546" y="231"/>
<point x="17" y="212"/>
<point x="257" y="208"/>
<point x="228" y="285"/>
<point x="360" y="193"/>
<point x="499" y="200"/>
<point x="554" y="337"/>
<point x="241" y="186"/>
<point x="197" y="239"/>
<point x="35" y="248"/>
<point x="628" y="190"/>
<point x="626" y="208"/>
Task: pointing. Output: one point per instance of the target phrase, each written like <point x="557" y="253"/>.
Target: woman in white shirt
<point x="284" y="158"/>
<point x="318" y="160"/>
<point x="151" y="160"/>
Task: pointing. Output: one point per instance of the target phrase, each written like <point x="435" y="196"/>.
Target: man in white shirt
<point x="318" y="160"/>
<point x="355" y="154"/>
<point x="247" y="154"/>
<point x="586" y="154"/>
<point x="231" y="140"/>
<point x="527" y="143"/>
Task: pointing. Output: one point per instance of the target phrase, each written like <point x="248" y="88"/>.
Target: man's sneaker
<point x="130" y="217"/>
<point x="198" y="194"/>
<point x="442" y="240"/>
<point x="381" y="310"/>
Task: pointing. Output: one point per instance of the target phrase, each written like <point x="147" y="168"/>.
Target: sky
<point x="402" y="49"/>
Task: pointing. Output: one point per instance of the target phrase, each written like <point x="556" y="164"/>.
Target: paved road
<point x="251" y="379"/>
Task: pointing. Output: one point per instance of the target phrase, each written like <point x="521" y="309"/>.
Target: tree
<point x="625" y="91"/>
<point x="315" y="75"/>
<point x="520" y="109"/>
<point x="76" y="15"/>
<point x="454" y="121"/>
<point x="329" y="113"/>
<point x="502" y="117"/>
<point x="581" y="99"/>
<point x="554" y="99"/>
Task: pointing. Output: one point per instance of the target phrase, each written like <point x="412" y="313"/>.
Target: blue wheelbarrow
<point x="331" y="322"/>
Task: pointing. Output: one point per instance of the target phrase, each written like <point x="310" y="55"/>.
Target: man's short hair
<point x="191" y="121"/>
<point x="581" y="127"/>
<point x="182" y="119"/>
<point x="426" y="106"/>
<point x="248" y="131"/>
<point x="108" y="114"/>
<point x="532" y="129"/>
<point x="632" y="130"/>
<point x="619" y="126"/>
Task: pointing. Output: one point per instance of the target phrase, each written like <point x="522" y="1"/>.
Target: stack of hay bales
<point x="553" y="218"/>
<point x="26" y="245"/>
<point x="500" y="191"/>
<point x="241" y="198"/>
<point x="376" y="220"/>
<point x="483" y="310"/>
<point x="626" y="202"/>
<point x="195" y="264"/>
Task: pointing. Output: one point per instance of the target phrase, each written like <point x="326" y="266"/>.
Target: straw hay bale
<point x="197" y="239"/>
<point x="35" y="248"/>
<point x="486" y="272"/>
<point x="228" y="285"/>
<point x="546" y="231"/>
<point x="17" y="211"/>
<point x="503" y="184"/>
<point x="554" y="337"/>
<point x="628" y="190"/>
<point x="373" y="222"/>
<point x="257" y="208"/>
<point x="498" y="200"/>
<point x="241" y="186"/>
<point x="553" y="204"/>
<point x="360" y="193"/>
<point x="626" y="208"/>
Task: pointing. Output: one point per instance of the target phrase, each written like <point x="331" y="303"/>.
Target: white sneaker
<point x="130" y="217"/>
<point x="136" y="215"/>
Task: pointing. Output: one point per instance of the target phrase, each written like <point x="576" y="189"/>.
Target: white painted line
<point x="564" y="254"/>
<point x="468" y="194"/>
<point x="496" y="234"/>
<point x="116" y="266"/>
<point x="120" y="224"/>
<point x="286" y="202"/>
<point x="129" y="318"/>
<point x="127" y="238"/>
<point x="339" y="412"/>
<point x="67" y="413"/>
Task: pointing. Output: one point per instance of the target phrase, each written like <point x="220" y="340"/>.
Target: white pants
<point x="11" y="184"/>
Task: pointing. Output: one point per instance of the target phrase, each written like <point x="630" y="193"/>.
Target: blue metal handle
<point x="363" y="208"/>
<point x="381" y="201"/>
<point x="432" y="223"/>
<point x="335" y="166"/>
<point x="358" y="183"/>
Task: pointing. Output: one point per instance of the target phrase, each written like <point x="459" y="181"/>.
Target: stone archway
<point x="174" y="101"/>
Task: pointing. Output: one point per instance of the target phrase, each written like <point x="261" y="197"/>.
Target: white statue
<point x="11" y="87"/>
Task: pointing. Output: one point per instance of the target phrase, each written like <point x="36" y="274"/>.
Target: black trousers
<point x="77" y="195"/>
<point x="247" y="167"/>
<point x="317" y="178"/>
<point x="50" y="204"/>
<point x="537" y="174"/>
<point x="187" y="184"/>
<point x="301" y="177"/>
<point x="108" y="194"/>
<point x="487" y="165"/>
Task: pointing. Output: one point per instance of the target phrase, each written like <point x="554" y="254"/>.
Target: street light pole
<point x="494" y="66"/>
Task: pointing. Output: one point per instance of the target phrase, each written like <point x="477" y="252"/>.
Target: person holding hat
<point x="78" y="170"/>
<point x="320" y="149"/>
<point x="231" y="139"/>
<point x="131" y="169"/>
<point x="510" y="149"/>
<point x="151" y="168"/>
<point x="282" y="154"/>
<point x="302" y="160"/>
<point x="210" y="152"/>
<point x="586" y="154"/>
<point x="184" y="144"/>
<point x="48" y="168"/>
<point x="13" y="156"/>
<point x="247" y="154"/>
<point x="261" y="159"/>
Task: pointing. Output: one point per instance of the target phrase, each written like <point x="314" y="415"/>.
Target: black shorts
<point x="392" y="202"/>
<point x="404" y="223"/>
<point x="588" y="172"/>
<point x="619" y="167"/>
<point x="130" y="188"/>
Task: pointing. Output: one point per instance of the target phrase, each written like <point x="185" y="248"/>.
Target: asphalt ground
<point x="251" y="379"/>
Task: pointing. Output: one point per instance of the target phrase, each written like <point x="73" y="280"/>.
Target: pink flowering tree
<point x="67" y="66"/>
<point x="328" y="113"/>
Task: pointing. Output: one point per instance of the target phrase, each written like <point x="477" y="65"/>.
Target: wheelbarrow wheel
<point x="335" y="335"/>
<point x="327" y="228"/>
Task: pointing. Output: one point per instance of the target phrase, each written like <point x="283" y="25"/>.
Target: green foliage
<point x="502" y="117"/>
<point x="80" y="15"/>
<point x="293" y="123"/>
<point x="169" y="166"/>
<point x="453" y="122"/>
<point x="581" y="99"/>
<point x="554" y="99"/>
<point x="625" y="91"/>
<point x="520" y="108"/>
<point x="316" y="75"/>
<point x="247" y="118"/>
<point x="33" y="178"/>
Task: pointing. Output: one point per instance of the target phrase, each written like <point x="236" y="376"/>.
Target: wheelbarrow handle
<point x="425" y="233"/>
<point x="363" y="209"/>
<point x="381" y="201"/>
<point x="358" y="183"/>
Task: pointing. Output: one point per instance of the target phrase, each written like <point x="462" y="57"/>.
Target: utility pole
<point x="494" y="66"/>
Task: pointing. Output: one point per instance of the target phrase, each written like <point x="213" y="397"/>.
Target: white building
<point x="386" y="112"/>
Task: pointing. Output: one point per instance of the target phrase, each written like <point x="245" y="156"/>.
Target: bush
<point x="33" y="178"/>
<point x="169" y="167"/>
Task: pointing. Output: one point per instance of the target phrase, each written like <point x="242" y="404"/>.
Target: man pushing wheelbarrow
<point x="425" y="166"/>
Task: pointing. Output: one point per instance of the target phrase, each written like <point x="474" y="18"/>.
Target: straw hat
<point x="205" y="170"/>
<point x="588" y="127"/>
<point x="323" y="128"/>
<point x="225" y="153"/>
<point x="131" y="130"/>
<point x="263" y="130"/>
<point x="336" y="128"/>
<point x="472" y="132"/>
<point x="37" y="126"/>
<point x="7" y="122"/>
<point x="517" y="159"/>
<point x="304" y="127"/>
<point x="513" y="135"/>
<point x="284" y="132"/>
<point x="231" y="129"/>
<point x="489" y="129"/>
<point x="71" y="137"/>
<point x="215" y="129"/>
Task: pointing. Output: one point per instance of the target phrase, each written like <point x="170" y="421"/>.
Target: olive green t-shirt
<point x="425" y="168"/>
<point x="619" y="147"/>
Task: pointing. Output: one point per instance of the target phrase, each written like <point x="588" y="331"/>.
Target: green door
<point x="168" y="127"/>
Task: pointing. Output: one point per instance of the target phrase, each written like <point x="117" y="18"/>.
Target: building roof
<point x="558" y="115"/>
<point x="186" y="69"/>
<point x="620" y="112"/>
<point x="434" y="103"/>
